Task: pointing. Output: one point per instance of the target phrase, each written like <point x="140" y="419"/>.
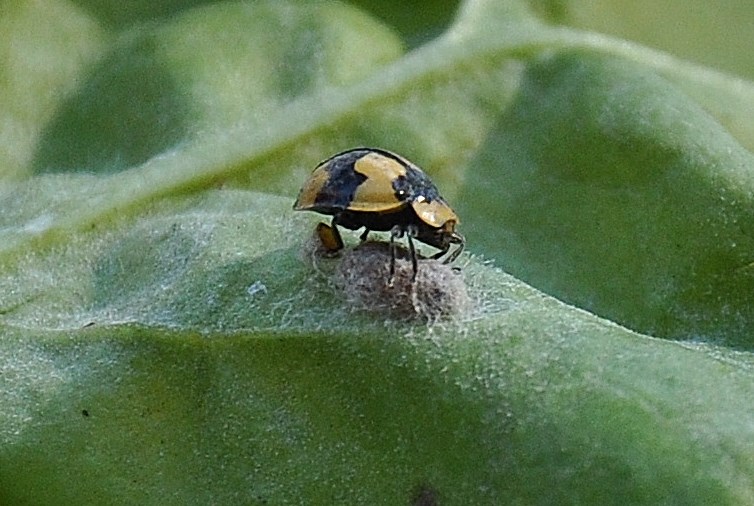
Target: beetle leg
<point x="364" y="235"/>
<point x="412" y="232"/>
<point x="439" y="254"/>
<point x="329" y="238"/>
<point x="460" y="241"/>
<point x="395" y="232"/>
<point x="454" y="238"/>
<point x="336" y="233"/>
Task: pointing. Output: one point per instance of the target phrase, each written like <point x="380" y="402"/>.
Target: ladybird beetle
<point x="380" y="191"/>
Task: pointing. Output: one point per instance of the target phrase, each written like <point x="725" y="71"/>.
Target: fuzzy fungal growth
<point x="315" y="248"/>
<point x="363" y="274"/>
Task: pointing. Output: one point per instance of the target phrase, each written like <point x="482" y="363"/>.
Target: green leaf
<point x="168" y="334"/>
<point x="207" y="70"/>
<point x="623" y="196"/>
<point x="44" y="49"/>
<point x="148" y="363"/>
<point x="708" y="33"/>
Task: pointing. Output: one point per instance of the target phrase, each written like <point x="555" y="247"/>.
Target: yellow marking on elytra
<point x="376" y="192"/>
<point x="308" y="194"/>
<point x="435" y="213"/>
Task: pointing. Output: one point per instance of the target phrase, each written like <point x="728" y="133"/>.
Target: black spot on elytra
<point x="341" y="186"/>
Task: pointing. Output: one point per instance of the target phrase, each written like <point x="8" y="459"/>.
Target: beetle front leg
<point x="458" y="239"/>
<point x="454" y="238"/>
<point x="330" y="238"/>
<point x="440" y="254"/>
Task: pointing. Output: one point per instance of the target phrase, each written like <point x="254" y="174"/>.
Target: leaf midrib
<point x="224" y="154"/>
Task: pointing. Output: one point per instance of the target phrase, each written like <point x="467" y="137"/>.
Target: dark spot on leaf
<point x="424" y="495"/>
<point x="85" y="413"/>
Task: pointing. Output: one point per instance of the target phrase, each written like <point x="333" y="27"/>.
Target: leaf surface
<point x="168" y="337"/>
